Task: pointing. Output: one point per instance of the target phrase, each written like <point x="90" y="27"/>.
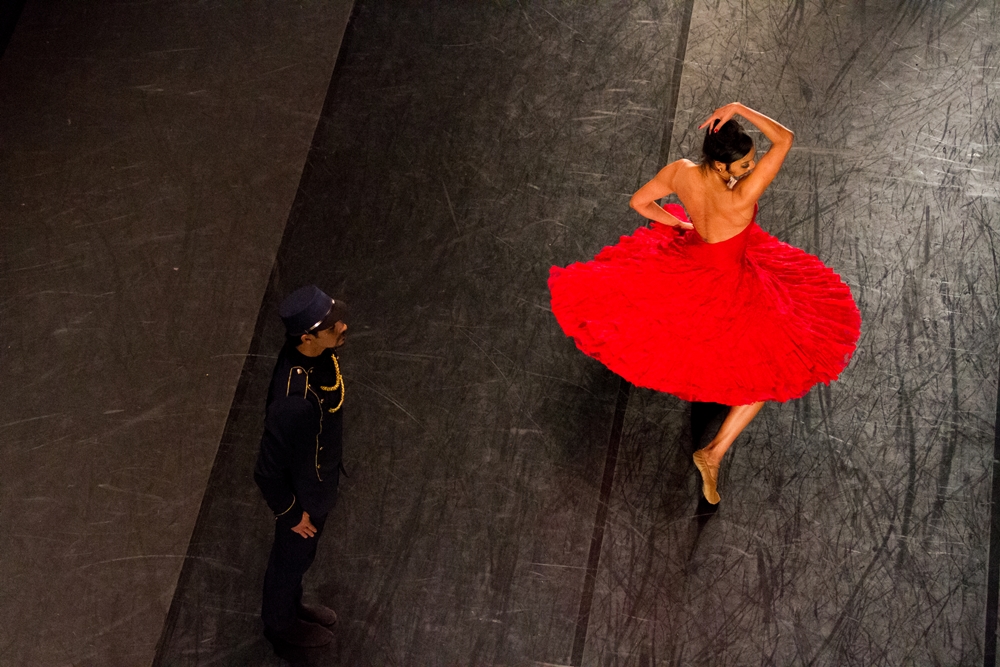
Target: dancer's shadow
<point x="706" y="419"/>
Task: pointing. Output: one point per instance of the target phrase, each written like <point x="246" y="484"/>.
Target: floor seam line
<point x="624" y="388"/>
<point x="600" y="521"/>
<point x="993" y="554"/>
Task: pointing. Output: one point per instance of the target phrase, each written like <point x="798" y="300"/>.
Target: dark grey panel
<point x="464" y="150"/>
<point x="150" y="156"/>
<point x="10" y="11"/>
<point x="853" y="528"/>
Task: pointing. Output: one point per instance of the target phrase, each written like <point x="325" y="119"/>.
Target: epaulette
<point x="298" y="382"/>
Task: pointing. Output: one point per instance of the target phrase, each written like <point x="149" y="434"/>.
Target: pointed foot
<point x="709" y="477"/>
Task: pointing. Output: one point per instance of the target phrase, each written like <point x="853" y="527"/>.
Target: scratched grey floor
<point x="464" y="151"/>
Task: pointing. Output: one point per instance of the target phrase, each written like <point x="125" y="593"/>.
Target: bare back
<point x="716" y="212"/>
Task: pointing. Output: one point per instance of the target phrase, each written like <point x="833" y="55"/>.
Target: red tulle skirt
<point x="748" y="319"/>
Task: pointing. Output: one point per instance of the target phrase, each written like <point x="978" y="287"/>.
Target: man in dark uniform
<point x="299" y="464"/>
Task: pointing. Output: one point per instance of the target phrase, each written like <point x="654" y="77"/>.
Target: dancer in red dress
<point x="725" y="313"/>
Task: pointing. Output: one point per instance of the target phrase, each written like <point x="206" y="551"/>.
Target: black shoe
<point x="302" y="634"/>
<point x="317" y="613"/>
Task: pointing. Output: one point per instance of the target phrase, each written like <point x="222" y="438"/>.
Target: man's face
<point x="333" y="337"/>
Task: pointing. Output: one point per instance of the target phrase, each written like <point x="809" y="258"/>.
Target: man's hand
<point x="305" y="527"/>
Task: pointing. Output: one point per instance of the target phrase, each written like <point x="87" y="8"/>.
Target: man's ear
<point x="304" y="338"/>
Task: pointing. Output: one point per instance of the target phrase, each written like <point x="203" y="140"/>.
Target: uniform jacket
<point x="298" y="467"/>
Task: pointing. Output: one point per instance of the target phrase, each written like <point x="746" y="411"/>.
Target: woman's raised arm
<point x="781" y="138"/>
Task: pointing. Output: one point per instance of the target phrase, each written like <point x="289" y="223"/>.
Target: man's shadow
<point x="296" y="656"/>
<point x="706" y="419"/>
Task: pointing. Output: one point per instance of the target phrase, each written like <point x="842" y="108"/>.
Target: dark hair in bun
<point x="727" y="145"/>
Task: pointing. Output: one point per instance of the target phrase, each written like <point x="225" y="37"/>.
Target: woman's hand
<point x="674" y="222"/>
<point x="721" y="116"/>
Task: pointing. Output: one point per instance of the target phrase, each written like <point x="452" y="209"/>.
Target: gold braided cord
<point x="336" y="385"/>
<point x="339" y="383"/>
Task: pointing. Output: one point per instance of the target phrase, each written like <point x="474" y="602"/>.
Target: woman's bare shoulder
<point x="680" y="170"/>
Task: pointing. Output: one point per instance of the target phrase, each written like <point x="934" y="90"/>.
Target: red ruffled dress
<point x="748" y="319"/>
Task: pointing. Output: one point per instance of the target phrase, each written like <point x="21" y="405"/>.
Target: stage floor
<point x="464" y="151"/>
<point x="511" y="501"/>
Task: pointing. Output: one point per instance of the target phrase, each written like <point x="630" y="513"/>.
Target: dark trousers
<point x="291" y="556"/>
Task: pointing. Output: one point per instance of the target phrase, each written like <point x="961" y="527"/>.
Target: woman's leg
<point x="707" y="460"/>
<point x="738" y="418"/>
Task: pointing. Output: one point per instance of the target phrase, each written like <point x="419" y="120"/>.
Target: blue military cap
<point x="310" y="310"/>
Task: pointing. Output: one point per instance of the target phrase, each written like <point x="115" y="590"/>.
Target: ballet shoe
<point x="709" y="477"/>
